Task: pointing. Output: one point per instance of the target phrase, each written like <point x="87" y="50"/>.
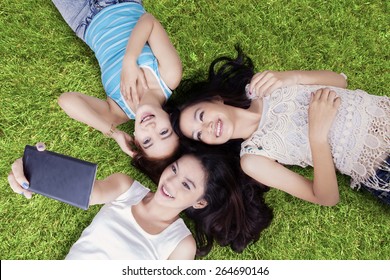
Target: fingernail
<point x="25" y="186"/>
<point x="40" y="146"/>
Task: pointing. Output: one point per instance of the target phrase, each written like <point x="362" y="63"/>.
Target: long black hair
<point x="226" y="80"/>
<point x="236" y="213"/>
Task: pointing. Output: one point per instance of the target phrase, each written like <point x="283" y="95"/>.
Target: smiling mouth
<point x="218" y="128"/>
<point x="146" y="117"/>
<point x="165" y="192"/>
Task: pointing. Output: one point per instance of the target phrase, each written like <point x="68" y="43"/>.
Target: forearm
<point x="89" y="110"/>
<point x="84" y="113"/>
<point x="325" y="187"/>
<point x="320" y="77"/>
<point x="139" y="37"/>
<point x="110" y="188"/>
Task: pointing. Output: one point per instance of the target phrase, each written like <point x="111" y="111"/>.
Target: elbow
<point x="65" y="100"/>
<point x="330" y="201"/>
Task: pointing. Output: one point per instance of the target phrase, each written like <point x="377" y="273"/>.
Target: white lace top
<point x="359" y="137"/>
<point x="114" y="233"/>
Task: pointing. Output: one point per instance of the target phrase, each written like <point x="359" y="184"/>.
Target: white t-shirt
<point x="115" y="234"/>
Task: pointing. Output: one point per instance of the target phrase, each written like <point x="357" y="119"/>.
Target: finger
<point x="128" y="92"/>
<point x="275" y="85"/>
<point x="130" y="152"/>
<point x="264" y="82"/>
<point x="123" y="92"/>
<point x="122" y="89"/>
<point x="17" y="170"/>
<point x="40" y="146"/>
<point x="256" y="79"/>
<point x="16" y="187"/>
<point x="337" y="102"/>
<point x="133" y="98"/>
<point x="142" y="80"/>
<point x="332" y="95"/>
<point x="317" y="94"/>
<point x="130" y="102"/>
<point x="264" y="88"/>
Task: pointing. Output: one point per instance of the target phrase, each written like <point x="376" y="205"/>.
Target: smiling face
<point x="153" y="131"/>
<point x="182" y="184"/>
<point x="209" y="122"/>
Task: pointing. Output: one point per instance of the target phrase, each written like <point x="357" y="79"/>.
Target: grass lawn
<point x="41" y="58"/>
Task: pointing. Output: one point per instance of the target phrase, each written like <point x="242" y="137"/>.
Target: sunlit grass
<point x="41" y="58"/>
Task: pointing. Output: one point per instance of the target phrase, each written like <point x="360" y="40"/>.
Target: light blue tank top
<point x="107" y="35"/>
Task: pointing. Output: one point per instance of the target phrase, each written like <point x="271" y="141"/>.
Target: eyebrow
<point x="191" y="182"/>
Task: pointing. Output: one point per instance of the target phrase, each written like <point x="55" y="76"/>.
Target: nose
<point x="207" y="127"/>
<point x="173" y="183"/>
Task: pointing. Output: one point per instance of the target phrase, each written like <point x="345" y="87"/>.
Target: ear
<point x="200" y="204"/>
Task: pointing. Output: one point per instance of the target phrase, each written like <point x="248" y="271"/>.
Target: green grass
<point x="41" y="58"/>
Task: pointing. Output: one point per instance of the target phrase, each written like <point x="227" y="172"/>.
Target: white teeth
<point x="146" y="118"/>
<point x="166" y="192"/>
<point x="219" y="128"/>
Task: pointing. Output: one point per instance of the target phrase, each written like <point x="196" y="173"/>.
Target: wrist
<point x="129" y="58"/>
<point x="298" y="77"/>
<point x="111" y="132"/>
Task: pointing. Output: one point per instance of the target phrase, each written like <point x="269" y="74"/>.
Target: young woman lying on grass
<point x="304" y="118"/>
<point x="224" y="204"/>
<point x="139" y="67"/>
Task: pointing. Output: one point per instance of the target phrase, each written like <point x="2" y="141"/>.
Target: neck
<point x="247" y="120"/>
<point x="160" y="213"/>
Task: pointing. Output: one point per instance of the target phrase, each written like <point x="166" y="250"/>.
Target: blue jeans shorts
<point x="383" y="174"/>
<point x="79" y="13"/>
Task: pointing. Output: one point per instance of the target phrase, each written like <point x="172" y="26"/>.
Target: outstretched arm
<point x="149" y="30"/>
<point x="323" y="189"/>
<point x="103" y="115"/>
<point x="103" y="191"/>
<point x="110" y="188"/>
<point x="264" y="83"/>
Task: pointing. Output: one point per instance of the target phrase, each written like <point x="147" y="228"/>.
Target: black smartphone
<point x="59" y="177"/>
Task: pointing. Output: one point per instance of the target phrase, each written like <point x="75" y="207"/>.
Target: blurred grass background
<point x="40" y="58"/>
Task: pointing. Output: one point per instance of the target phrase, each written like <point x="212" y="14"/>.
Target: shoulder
<point x="252" y="162"/>
<point x="185" y="250"/>
<point x="121" y="180"/>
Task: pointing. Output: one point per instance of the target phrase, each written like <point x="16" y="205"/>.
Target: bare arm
<point x="100" y="114"/>
<point x="110" y="188"/>
<point x="264" y="83"/>
<point x="322" y="111"/>
<point x="273" y="174"/>
<point x="148" y="29"/>
<point x="323" y="189"/>
<point x="103" y="191"/>
<point x="185" y="250"/>
<point x="320" y="77"/>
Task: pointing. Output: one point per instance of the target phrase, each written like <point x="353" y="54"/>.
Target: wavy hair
<point x="236" y="213"/>
<point x="226" y="80"/>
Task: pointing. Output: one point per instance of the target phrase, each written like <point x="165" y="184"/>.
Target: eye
<point x="173" y="168"/>
<point x="201" y="116"/>
<point x="146" y="141"/>
<point x="199" y="136"/>
<point x="186" y="185"/>
<point x="164" y="131"/>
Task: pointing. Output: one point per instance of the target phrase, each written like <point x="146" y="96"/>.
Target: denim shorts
<point x="79" y="13"/>
<point x="383" y="174"/>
